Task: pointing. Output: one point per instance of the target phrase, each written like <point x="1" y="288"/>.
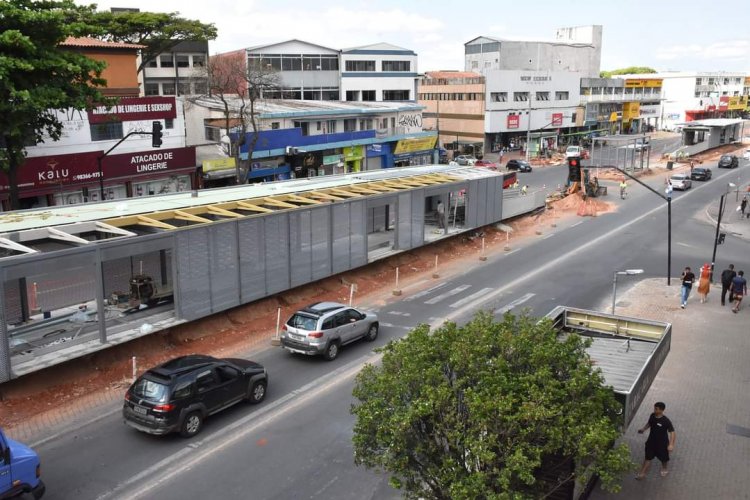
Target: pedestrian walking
<point x="727" y="275"/>
<point x="660" y="441"/>
<point x="623" y="189"/>
<point x="704" y="283"/>
<point x="739" y="290"/>
<point x="525" y="190"/>
<point x="743" y="205"/>
<point x="687" y="284"/>
<point x="441" y="214"/>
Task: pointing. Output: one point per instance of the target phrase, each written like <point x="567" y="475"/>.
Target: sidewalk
<point x="704" y="383"/>
<point x="732" y="221"/>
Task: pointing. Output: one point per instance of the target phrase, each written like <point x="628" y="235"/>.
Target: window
<point x="201" y="88"/>
<point x="725" y="93"/>
<point x="312" y="95"/>
<point x="736" y="92"/>
<point x="183" y="88"/>
<point x="106" y="131"/>
<point x="699" y="81"/>
<point x="350" y="125"/>
<point x="165" y="61"/>
<point x="183" y="61"/>
<point x="711" y="81"/>
<point x="368" y="95"/>
<point x="304" y="126"/>
<point x="697" y="94"/>
<point x="319" y="126"/>
<point x="542" y="96"/>
<point x="330" y="94"/>
<point x="169" y="123"/>
<point x="474" y="64"/>
<point x="365" y="124"/>
<point x="182" y="390"/>
<point x="360" y="65"/>
<point x="396" y="66"/>
<point x="167" y="89"/>
<point x="152" y="63"/>
<point x="395" y="95"/>
<point x="291" y="63"/>
<point x="520" y="96"/>
<point x="213" y="134"/>
<point x="738" y="80"/>
<point x="199" y="61"/>
<point x="562" y="96"/>
<point x="264" y="61"/>
<point x="275" y="125"/>
<point x="151" y="89"/>
<point x="726" y="81"/>
<point x="331" y="126"/>
<point x="329" y="63"/>
<point x="352" y="95"/>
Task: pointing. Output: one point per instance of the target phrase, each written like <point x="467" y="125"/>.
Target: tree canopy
<point x="630" y="70"/>
<point x="487" y="410"/>
<point x="158" y="31"/>
<point x="37" y="77"/>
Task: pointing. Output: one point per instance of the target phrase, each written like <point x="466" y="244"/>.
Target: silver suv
<point x="323" y="327"/>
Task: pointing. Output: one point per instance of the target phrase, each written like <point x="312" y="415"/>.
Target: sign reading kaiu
<point x="135" y="109"/>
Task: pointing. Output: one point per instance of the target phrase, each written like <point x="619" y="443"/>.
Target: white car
<point x="746" y="155"/>
<point x="573" y="152"/>
<point x="681" y="182"/>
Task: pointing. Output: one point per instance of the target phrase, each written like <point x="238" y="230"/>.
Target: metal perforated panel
<point x="193" y="278"/>
<point x="300" y="247"/>
<point x="341" y="258"/>
<point x="4" y="339"/>
<point x="225" y="281"/>
<point x="403" y="221"/>
<point x="471" y="204"/>
<point x="320" y="223"/>
<point x="481" y="202"/>
<point x="252" y="259"/>
<point x="277" y="252"/>
<point x="12" y="302"/>
<point x="498" y="210"/>
<point x="358" y="228"/>
<point x="417" y="217"/>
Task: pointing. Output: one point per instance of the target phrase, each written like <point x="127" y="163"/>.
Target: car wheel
<point x="257" y="392"/>
<point x="331" y="351"/>
<point x="192" y="424"/>
<point x="372" y="333"/>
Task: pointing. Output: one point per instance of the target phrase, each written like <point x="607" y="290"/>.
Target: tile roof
<point x="100" y="44"/>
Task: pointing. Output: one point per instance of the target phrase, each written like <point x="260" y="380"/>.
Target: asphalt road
<point x="297" y="444"/>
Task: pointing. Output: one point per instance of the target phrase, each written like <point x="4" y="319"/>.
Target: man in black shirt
<point x="660" y="442"/>
<point x="727" y="275"/>
<point x="687" y="284"/>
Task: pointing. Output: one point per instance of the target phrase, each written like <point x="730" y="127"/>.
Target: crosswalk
<point x="448" y="293"/>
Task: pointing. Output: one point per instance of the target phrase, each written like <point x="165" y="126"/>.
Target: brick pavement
<point x="704" y="383"/>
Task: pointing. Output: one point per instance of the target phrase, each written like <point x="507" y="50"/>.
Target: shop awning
<point x="585" y="132"/>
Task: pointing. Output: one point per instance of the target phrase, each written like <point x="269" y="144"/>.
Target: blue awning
<point x="267" y="172"/>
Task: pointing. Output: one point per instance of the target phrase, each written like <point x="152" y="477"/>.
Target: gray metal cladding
<point x="403" y="221"/>
<point x="341" y="254"/>
<point x="320" y="223"/>
<point x="358" y="233"/>
<point x="300" y="247"/>
<point x="277" y="252"/>
<point x="252" y="255"/>
<point x="497" y="194"/>
<point x="5" y="364"/>
<point x="470" y="200"/>
<point x="11" y="305"/>
<point x="225" y="284"/>
<point x="481" y="202"/>
<point x="193" y="278"/>
<point x="417" y="217"/>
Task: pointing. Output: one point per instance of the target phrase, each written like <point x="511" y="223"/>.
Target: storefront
<point x="218" y="172"/>
<point x="378" y="156"/>
<point x="412" y="152"/>
<point x="333" y="164"/>
<point x="268" y="170"/>
<point x="353" y="156"/>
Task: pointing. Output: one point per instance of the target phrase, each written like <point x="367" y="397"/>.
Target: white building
<point x="689" y="96"/>
<point x="178" y="71"/>
<point x="378" y="72"/>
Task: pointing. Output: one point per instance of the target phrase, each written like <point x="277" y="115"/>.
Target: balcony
<point x="586" y="99"/>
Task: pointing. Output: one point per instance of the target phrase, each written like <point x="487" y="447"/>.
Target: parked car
<point x="681" y="182"/>
<point x="179" y="394"/>
<point x="573" y="152"/>
<point x="520" y="165"/>
<point x="324" y="327"/>
<point x="485" y="163"/>
<point x="20" y="472"/>
<point x="700" y="174"/>
<point x="729" y="161"/>
<point x="465" y="160"/>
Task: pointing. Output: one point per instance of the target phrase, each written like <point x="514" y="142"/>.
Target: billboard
<point x="135" y="109"/>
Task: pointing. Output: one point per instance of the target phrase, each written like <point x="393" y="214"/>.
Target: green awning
<point x="586" y="132"/>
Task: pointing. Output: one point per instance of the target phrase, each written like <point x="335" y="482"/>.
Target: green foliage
<point x="158" y="31"/>
<point x="631" y="70"/>
<point x="37" y="77"/>
<point x="476" y="411"/>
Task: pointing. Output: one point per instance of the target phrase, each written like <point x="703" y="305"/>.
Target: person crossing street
<point x="623" y="189"/>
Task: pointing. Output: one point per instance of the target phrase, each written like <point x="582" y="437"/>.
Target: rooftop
<point x="279" y="108"/>
<point x="99" y="44"/>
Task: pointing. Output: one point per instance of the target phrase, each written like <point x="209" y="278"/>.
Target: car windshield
<point x="678" y="177"/>
<point x="303" y="322"/>
<point x="726" y="157"/>
<point x="150" y="390"/>
<point x="522" y="162"/>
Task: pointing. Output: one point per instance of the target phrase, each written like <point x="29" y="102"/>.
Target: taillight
<point x="283" y="327"/>
<point x="127" y="396"/>
<point x="315" y="335"/>
<point x="164" y="408"/>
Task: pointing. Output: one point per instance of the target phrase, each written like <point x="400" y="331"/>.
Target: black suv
<point x="700" y="174"/>
<point x="179" y="394"/>
<point x="729" y="161"/>
<point x="520" y="165"/>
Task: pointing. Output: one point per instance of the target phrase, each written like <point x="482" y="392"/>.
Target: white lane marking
<point x="512" y="251"/>
<point x="685" y="245"/>
<point x="425" y="292"/>
<point x="471" y="297"/>
<point x="515" y="303"/>
<point x="391" y="325"/>
<point x="399" y="313"/>
<point x="447" y="294"/>
<point x="577" y="224"/>
<point x="549" y="236"/>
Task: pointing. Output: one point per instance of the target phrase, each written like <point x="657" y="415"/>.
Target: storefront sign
<point x="146" y="162"/>
<point x="613" y="117"/>
<point x="352" y="153"/>
<point x="55" y="170"/>
<point x="737" y="103"/>
<point x="557" y="119"/>
<point x="332" y="159"/>
<point x="413" y="145"/>
<point x="514" y="121"/>
<point x="218" y="164"/>
<point x="723" y="103"/>
<point x="653" y="83"/>
<point x="135" y="109"/>
<point x="649" y="110"/>
<point x="631" y="110"/>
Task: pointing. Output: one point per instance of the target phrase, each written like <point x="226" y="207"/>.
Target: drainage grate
<point x="738" y="430"/>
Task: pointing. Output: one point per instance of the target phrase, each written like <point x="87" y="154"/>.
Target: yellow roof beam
<point x="323" y="196"/>
<point x="253" y="208"/>
<point x="301" y="199"/>
<point x="345" y="194"/>
<point x="182" y="215"/>
<point x="277" y="203"/>
<point x="148" y="221"/>
<point x="222" y="212"/>
<point x="362" y="189"/>
<point x="378" y="186"/>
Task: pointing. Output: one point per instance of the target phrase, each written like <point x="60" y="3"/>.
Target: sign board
<point x="613" y="117"/>
<point x="218" y="164"/>
<point x="331" y="159"/>
<point x="737" y="103"/>
<point x="652" y="83"/>
<point x="414" y="145"/>
<point x="514" y="121"/>
<point x="723" y="103"/>
<point x="631" y="110"/>
<point x="55" y="170"/>
<point x="135" y="109"/>
<point x="354" y="153"/>
<point x="557" y="119"/>
<point x="146" y="162"/>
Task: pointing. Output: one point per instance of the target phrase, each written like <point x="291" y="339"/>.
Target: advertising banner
<point x="218" y="164"/>
<point x="146" y="162"/>
<point x="54" y="171"/>
<point x="135" y="109"/>
<point x="514" y="121"/>
<point x="653" y="82"/>
<point x="557" y="119"/>
<point x="414" y="145"/>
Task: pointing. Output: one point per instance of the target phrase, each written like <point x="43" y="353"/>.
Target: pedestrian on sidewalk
<point x="441" y="214"/>
<point x="525" y="190"/>
<point x="743" y="205"/>
<point x="704" y="284"/>
<point x="660" y="441"/>
<point x="687" y="284"/>
<point x="727" y="275"/>
<point x="623" y="189"/>
<point x="739" y="290"/>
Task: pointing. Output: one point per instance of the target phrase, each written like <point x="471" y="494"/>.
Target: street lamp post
<point x="627" y="272"/>
<point x="718" y="226"/>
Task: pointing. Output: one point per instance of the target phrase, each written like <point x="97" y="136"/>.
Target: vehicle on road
<point x="20" y="471"/>
<point x="681" y="182"/>
<point x="178" y="395"/>
<point x="324" y="327"/>
<point x="465" y="160"/>
<point x="729" y="161"/>
<point x="700" y="174"/>
<point x="573" y="152"/>
<point x="746" y="154"/>
<point x="520" y="165"/>
<point x="485" y="163"/>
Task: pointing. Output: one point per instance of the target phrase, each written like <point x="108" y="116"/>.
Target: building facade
<point x="179" y="71"/>
<point x="378" y="72"/>
<point x="621" y="106"/>
<point x="121" y="60"/>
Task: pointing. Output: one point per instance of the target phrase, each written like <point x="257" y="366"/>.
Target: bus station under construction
<point x="81" y="278"/>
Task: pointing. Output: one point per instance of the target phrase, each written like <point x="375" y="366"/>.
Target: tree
<point x="158" y="31"/>
<point x="487" y="410"/>
<point x="631" y="70"/>
<point x="37" y="77"/>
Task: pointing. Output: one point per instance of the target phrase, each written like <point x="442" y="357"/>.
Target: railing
<point x="619" y="98"/>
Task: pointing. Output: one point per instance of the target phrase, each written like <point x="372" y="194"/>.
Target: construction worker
<point x="623" y="189"/>
<point x="525" y="190"/>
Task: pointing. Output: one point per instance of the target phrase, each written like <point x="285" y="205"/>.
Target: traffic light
<point x="574" y="170"/>
<point x="156" y="134"/>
